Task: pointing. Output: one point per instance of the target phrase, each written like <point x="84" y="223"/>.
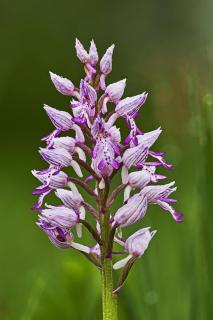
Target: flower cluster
<point x="85" y="150"/>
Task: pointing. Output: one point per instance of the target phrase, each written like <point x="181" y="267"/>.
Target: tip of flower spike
<point x="106" y="61"/>
<point x="81" y="52"/>
<point x="93" y="53"/>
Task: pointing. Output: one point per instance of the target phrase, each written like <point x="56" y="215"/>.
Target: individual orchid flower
<point x="62" y="121"/>
<point x="60" y="158"/>
<point x="84" y="109"/>
<point x="136" y="155"/>
<point x="51" y="179"/>
<point x="139" y="179"/>
<point x="113" y="93"/>
<point x="106" y="148"/>
<point x="75" y="202"/>
<point x="61" y="237"/>
<point x="69" y="144"/>
<point x="159" y="194"/>
<point x="104" y="164"/>
<point x="135" y="246"/>
<point x="130" y="105"/>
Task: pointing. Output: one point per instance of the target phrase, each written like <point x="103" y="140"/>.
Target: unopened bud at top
<point x="81" y="52"/>
<point x="106" y="61"/>
<point x="93" y="54"/>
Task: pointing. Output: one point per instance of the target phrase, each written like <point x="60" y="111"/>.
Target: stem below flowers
<point x="109" y="300"/>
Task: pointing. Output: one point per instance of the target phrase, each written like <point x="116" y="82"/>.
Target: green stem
<point x="109" y="300"/>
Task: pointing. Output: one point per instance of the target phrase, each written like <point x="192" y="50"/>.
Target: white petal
<point x="124" y="175"/>
<point x="80" y="247"/>
<point x="102" y="184"/>
<point x="79" y="229"/>
<point x="80" y="153"/>
<point x="120" y="264"/>
<point x="76" y="168"/>
<point x="127" y="192"/>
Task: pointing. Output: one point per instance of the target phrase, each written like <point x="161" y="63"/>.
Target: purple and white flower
<point x="136" y="245"/>
<point x="106" y="148"/>
<point x="159" y="194"/>
<point x="60" y="237"/>
<point x="60" y="158"/>
<point x="139" y="179"/>
<point x="51" y="179"/>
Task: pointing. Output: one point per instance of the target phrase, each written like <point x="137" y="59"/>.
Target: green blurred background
<point x="163" y="47"/>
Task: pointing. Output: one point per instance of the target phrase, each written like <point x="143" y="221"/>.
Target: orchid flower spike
<point x="89" y="162"/>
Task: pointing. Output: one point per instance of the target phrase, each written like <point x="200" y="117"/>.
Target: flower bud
<point x="106" y="61"/>
<point x="130" y="105"/>
<point x="63" y="85"/>
<point x="115" y="90"/>
<point x="81" y="52"/>
<point x="93" y="54"/>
